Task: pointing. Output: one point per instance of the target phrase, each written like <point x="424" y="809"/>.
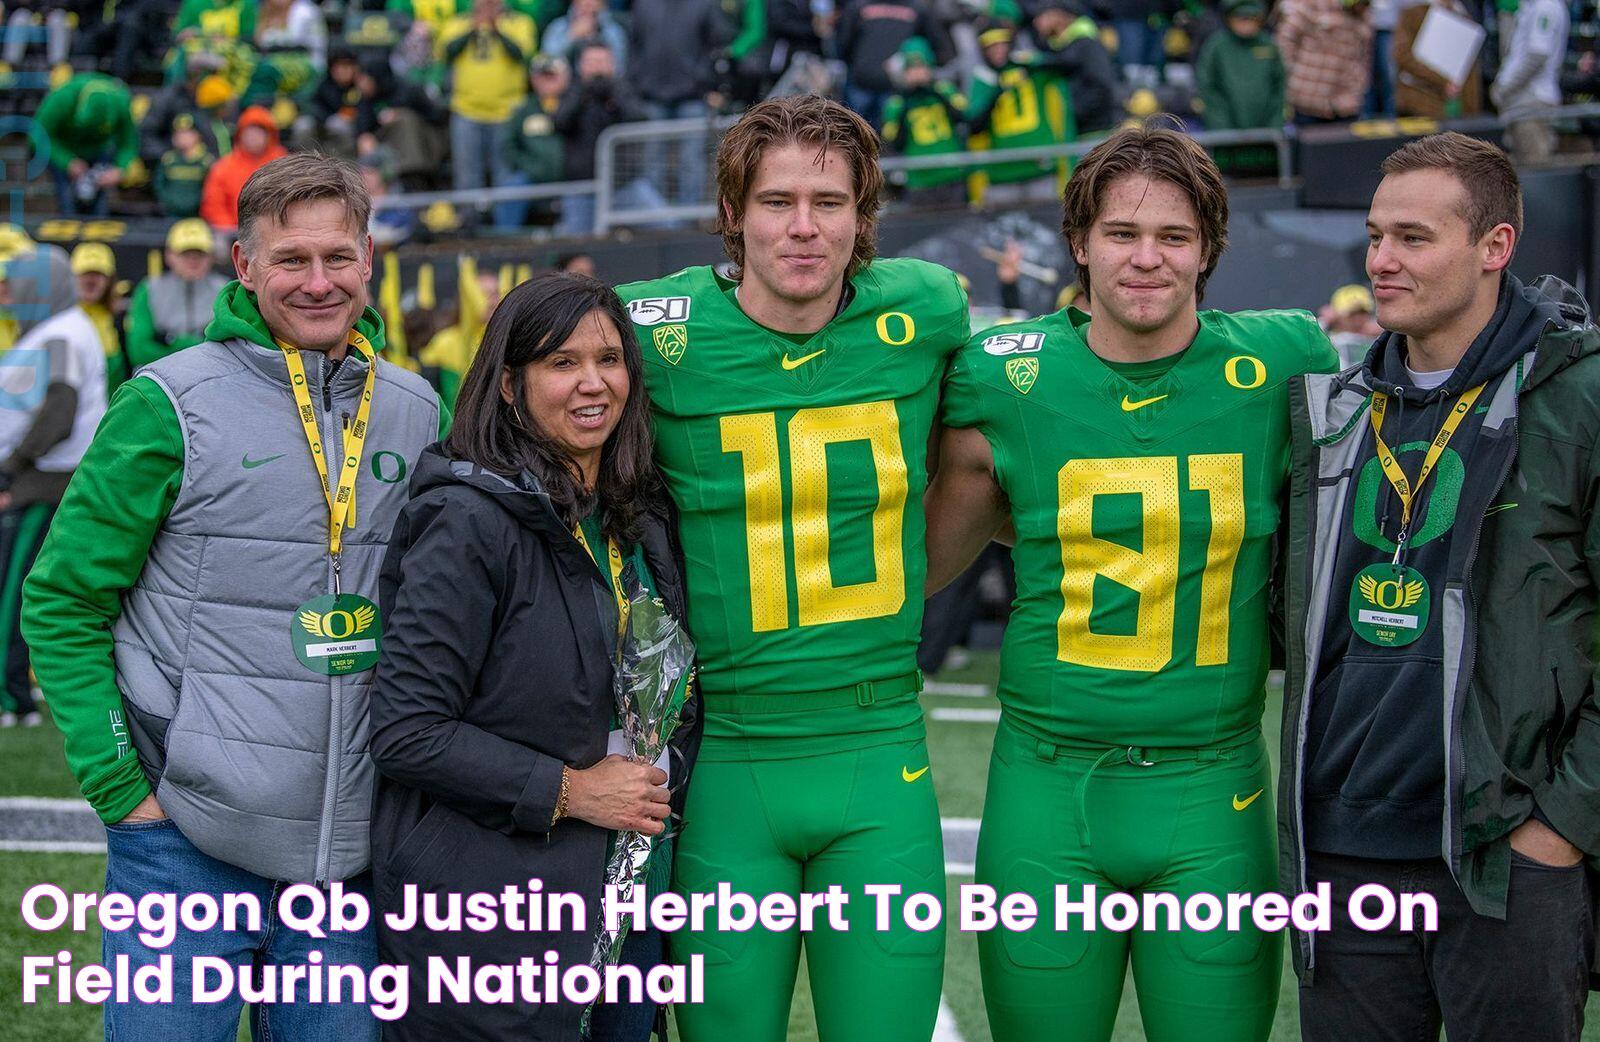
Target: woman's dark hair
<point x="532" y="321"/>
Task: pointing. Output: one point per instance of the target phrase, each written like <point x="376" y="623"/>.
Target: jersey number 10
<point x="1152" y="573"/>
<point x="754" y="436"/>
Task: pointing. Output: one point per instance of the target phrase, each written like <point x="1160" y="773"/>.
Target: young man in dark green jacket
<point x="1240" y="71"/>
<point x="1441" y="732"/>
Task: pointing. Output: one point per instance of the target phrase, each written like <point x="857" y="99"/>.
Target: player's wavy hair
<point x="531" y="322"/>
<point x="812" y="121"/>
<point x="1152" y="149"/>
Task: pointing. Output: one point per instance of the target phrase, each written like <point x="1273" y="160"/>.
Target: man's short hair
<point x="812" y="121"/>
<point x="300" y="177"/>
<point x="1494" y="194"/>
<point x="1151" y="149"/>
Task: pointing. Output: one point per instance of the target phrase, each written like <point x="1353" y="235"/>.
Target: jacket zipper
<point x="330" y="790"/>
<point x="1454" y="770"/>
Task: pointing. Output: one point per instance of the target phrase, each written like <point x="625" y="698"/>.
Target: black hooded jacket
<point x="1374" y="759"/>
<point x="499" y="633"/>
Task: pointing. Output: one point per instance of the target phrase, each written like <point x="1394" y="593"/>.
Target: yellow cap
<point x="1347" y="300"/>
<point x="13" y="240"/>
<point x="212" y="91"/>
<point x="190" y="234"/>
<point x="93" y="256"/>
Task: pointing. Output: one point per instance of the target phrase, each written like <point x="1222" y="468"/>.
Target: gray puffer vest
<point x="260" y="762"/>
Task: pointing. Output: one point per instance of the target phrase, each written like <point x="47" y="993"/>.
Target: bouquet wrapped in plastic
<point x="656" y="657"/>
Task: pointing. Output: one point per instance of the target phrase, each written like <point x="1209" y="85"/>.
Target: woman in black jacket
<point x="493" y="698"/>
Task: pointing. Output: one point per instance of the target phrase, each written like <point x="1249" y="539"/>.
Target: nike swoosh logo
<point x="1128" y="406"/>
<point x="909" y="775"/>
<point x="252" y="464"/>
<point x="1239" y="804"/>
<point x="1500" y="507"/>
<point x="796" y="363"/>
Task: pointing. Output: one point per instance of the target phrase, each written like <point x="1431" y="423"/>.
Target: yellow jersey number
<point x="1152" y="572"/>
<point x="754" y="437"/>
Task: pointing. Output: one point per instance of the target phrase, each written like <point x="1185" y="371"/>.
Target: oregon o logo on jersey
<point x="908" y="328"/>
<point x="1245" y="378"/>
<point x="1441" y="513"/>
<point x="652" y="311"/>
<point x="1013" y="343"/>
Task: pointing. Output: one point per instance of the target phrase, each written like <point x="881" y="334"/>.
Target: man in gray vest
<point x="202" y="615"/>
<point x="170" y="311"/>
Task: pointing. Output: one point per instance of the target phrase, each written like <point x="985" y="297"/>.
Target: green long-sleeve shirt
<point x="1241" y="82"/>
<point x="119" y="498"/>
<point x="86" y="116"/>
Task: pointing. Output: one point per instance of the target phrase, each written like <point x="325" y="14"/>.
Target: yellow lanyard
<point x="1391" y="467"/>
<point x="341" y="497"/>
<point x="614" y="561"/>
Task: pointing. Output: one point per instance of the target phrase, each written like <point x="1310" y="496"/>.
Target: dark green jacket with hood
<point x="1515" y="605"/>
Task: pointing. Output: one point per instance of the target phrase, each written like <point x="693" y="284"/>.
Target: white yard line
<point x="944" y="1028"/>
<point x="44" y="803"/>
<point x="966" y="716"/>
<point x="50" y="846"/>
<point x="939" y="687"/>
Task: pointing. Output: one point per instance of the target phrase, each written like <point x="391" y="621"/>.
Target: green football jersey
<point x="798" y="472"/>
<point x="1144" y="516"/>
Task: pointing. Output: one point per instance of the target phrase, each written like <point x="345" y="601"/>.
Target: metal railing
<point x="613" y="171"/>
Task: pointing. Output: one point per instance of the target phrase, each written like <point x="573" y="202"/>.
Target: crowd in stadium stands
<point x="166" y="106"/>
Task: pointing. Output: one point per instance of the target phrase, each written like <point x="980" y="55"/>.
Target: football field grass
<point x="961" y="708"/>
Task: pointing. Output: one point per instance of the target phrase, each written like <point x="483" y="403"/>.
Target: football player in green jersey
<point x="794" y="403"/>
<point x="1140" y="451"/>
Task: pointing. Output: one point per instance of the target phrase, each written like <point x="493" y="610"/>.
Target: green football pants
<point x="846" y="819"/>
<point x="1183" y="821"/>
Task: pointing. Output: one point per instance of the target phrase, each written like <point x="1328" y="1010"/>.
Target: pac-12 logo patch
<point x="1022" y="372"/>
<point x="1013" y="343"/>
<point x="671" y="341"/>
<point x="652" y="311"/>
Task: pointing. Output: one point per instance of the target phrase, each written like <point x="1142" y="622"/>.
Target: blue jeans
<point x="617" y="1022"/>
<point x="868" y="104"/>
<point x="154" y="857"/>
<point x="1380" y="96"/>
<point x="480" y="158"/>
<point x="684" y="156"/>
<point x="67" y="196"/>
<point x="577" y="211"/>
<point x="1138" y="42"/>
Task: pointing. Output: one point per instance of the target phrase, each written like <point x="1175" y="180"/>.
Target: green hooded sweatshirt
<point x="118" y="500"/>
<point x="87" y="117"/>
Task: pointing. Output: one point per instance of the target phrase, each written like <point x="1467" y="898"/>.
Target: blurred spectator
<point x="169" y="311"/>
<point x="434" y="13"/>
<point x="798" y="27"/>
<point x="411" y="126"/>
<point x="1380" y="102"/>
<point x="1327" y="51"/>
<point x="577" y="264"/>
<point x="1351" y="322"/>
<point x="595" y="101"/>
<point x="343" y="108"/>
<point x="93" y="141"/>
<point x="293" y="25"/>
<point x="588" y="20"/>
<point x="1240" y="73"/>
<point x="217" y="19"/>
<point x="487" y="53"/>
<point x="1419" y="89"/>
<point x="536" y="145"/>
<point x="672" y="43"/>
<point x="870" y="32"/>
<point x="13" y="243"/>
<point x="1015" y="102"/>
<point x="43" y="432"/>
<point x="1141" y="27"/>
<point x="94" y="271"/>
<point x="1528" y="85"/>
<point x="925" y="117"/>
<point x="141" y="34"/>
<point x="181" y="172"/>
<point x="184" y="98"/>
<point x="1069" y="42"/>
<point x="388" y="227"/>
<point x="53" y="21"/>
<point x="255" y="145"/>
<point x="448" y="355"/>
